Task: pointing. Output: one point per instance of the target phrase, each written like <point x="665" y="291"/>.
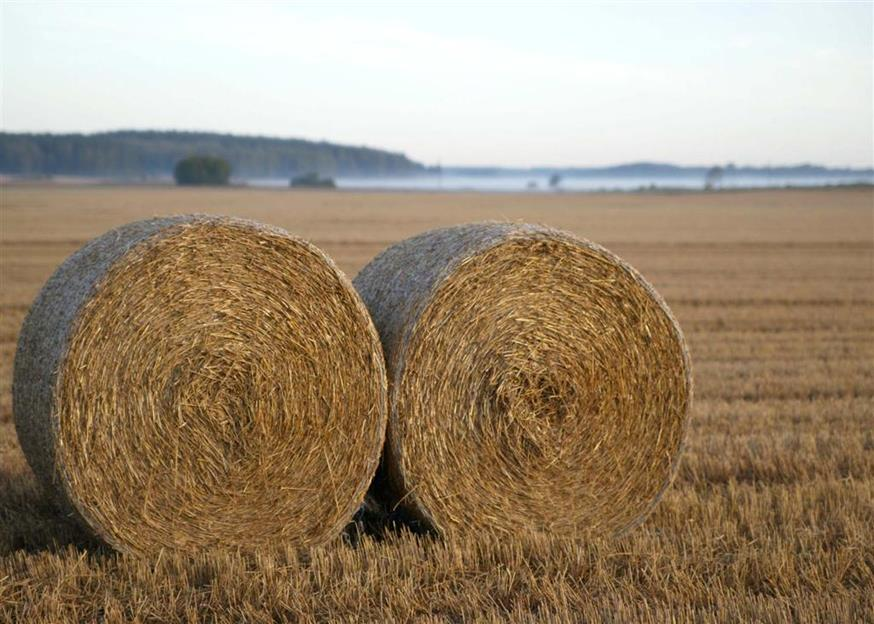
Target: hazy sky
<point x="545" y="84"/>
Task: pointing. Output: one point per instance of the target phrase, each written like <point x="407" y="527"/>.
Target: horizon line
<point x="256" y="135"/>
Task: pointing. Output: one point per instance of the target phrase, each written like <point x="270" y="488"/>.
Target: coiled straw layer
<point x="536" y="382"/>
<point x="197" y="382"/>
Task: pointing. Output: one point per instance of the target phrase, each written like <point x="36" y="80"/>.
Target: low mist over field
<point x="131" y="156"/>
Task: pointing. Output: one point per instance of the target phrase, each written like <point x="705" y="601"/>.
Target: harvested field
<point x="769" y="518"/>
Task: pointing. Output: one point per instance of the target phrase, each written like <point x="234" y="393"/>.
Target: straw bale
<point x="536" y="382"/>
<point x="199" y="382"/>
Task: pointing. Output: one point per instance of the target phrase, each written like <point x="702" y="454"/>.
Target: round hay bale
<point x="198" y="382"/>
<point x="536" y="382"/>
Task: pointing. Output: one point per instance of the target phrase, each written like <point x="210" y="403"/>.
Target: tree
<point x="312" y="180"/>
<point x="713" y="178"/>
<point x="202" y="171"/>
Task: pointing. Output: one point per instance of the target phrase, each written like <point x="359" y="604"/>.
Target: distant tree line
<point x="662" y="170"/>
<point x="137" y="154"/>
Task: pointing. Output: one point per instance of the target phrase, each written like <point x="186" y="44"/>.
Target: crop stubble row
<point x="775" y="493"/>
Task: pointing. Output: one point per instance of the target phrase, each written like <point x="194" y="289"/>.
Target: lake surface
<point x="534" y="183"/>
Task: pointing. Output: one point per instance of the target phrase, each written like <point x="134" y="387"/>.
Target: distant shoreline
<point x="88" y="182"/>
<point x="148" y="154"/>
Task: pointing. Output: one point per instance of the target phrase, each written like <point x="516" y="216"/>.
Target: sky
<point x="505" y="84"/>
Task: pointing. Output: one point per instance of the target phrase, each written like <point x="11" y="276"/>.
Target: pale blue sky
<point x="545" y="84"/>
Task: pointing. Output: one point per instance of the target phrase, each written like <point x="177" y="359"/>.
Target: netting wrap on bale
<point x="196" y="382"/>
<point x="536" y="382"/>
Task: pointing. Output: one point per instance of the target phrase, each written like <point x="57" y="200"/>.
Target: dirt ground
<point x="770" y="517"/>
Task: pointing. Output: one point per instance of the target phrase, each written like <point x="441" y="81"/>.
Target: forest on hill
<point x="150" y="154"/>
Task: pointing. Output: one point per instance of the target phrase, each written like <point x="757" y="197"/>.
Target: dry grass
<point x="770" y="517"/>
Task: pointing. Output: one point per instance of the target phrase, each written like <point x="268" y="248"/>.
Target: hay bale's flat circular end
<point x="197" y="382"/>
<point x="537" y="381"/>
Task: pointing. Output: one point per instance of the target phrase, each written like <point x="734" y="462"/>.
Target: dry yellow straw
<point x="536" y="382"/>
<point x="197" y="382"/>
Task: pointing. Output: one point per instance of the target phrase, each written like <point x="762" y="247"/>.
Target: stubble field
<point x="770" y="518"/>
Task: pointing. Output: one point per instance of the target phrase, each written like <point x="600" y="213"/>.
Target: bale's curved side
<point x="196" y="381"/>
<point x="43" y="340"/>
<point x="396" y="286"/>
<point x="402" y="287"/>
